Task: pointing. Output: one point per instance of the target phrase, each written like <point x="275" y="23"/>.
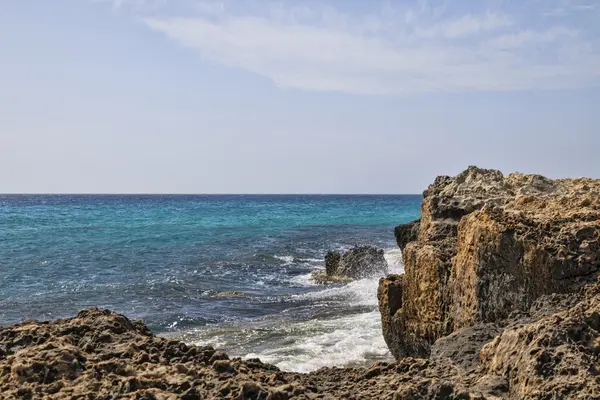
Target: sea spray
<point x="354" y="339"/>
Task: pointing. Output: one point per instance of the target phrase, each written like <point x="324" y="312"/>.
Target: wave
<point x="286" y="259"/>
<point x="304" y="279"/>
<point x="345" y="341"/>
<point x="393" y="257"/>
<point x="325" y="326"/>
<point x="354" y="339"/>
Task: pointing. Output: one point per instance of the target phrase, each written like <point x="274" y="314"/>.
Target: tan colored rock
<point x="488" y="246"/>
<point x="554" y="357"/>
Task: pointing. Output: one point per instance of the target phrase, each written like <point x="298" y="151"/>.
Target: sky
<point x="262" y="96"/>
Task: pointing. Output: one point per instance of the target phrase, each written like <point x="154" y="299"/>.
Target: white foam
<point x="286" y="259"/>
<point x="311" y="260"/>
<point x="361" y="292"/>
<point x="347" y="340"/>
<point x="393" y="257"/>
<point x="342" y="341"/>
<point x="303" y="280"/>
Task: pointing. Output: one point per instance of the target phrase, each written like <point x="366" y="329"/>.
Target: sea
<point x="230" y="271"/>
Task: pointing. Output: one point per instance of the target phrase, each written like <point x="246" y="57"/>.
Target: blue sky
<point x="195" y="96"/>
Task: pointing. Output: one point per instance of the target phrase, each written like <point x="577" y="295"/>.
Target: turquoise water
<point x="167" y="259"/>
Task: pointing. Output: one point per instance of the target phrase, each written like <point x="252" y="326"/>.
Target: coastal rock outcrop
<point x="357" y="263"/>
<point x="488" y="246"/>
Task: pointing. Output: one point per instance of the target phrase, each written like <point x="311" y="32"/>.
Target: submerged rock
<point x="489" y="246"/>
<point x="321" y="278"/>
<point x="357" y="263"/>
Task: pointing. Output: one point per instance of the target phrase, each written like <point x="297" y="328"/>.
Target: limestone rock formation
<point x="554" y="356"/>
<point x="357" y="263"/>
<point x="489" y="245"/>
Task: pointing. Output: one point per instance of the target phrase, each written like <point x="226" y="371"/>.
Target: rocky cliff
<point x="487" y="247"/>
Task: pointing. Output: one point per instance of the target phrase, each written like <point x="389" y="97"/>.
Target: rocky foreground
<point x="500" y="300"/>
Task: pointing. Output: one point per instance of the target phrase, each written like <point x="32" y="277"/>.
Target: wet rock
<point x="332" y="261"/>
<point x="357" y="263"/>
<point x="233" y="294"/>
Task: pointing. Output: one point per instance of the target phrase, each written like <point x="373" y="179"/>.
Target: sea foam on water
<point x="353" y="339"/>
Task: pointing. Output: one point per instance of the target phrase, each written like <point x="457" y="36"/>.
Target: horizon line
<point x="206" y="194"/>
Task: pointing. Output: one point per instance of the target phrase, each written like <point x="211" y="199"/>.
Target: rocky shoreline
<point x="500" y="299"/>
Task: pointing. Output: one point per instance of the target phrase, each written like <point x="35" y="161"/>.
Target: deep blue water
<point x="166" y="259"/>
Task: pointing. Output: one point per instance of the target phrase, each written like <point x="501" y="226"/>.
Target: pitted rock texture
<point x="550" y="351"/>
<point x="103" y="355"/>
<point x="489" y="245"/>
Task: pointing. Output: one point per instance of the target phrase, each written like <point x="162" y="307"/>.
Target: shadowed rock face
<point x="489" y="245"/>
<point x="406" y="233"/>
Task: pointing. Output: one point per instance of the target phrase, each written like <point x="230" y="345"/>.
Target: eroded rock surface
<point x="357" y="263"/>
<point x="489" y="245"/>
<point x="542" y="354"/>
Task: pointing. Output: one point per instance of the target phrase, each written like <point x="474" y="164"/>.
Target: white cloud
<point x="468" y="25"/>
<point x="530" y="37"/>
<point x="134" y="5"/>
<point x="393" y="52"/>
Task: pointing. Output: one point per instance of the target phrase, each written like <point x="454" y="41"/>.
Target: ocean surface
<point x="169" y="259"/>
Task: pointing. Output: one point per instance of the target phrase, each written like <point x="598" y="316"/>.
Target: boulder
<point x="357" y="263"/>
<point x="489" y="245"/>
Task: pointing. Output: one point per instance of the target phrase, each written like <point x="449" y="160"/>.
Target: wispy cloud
<point x="531" y="38"/>
<point x="390" y="51"/>
<point x="468" y="25"/>
<point x="134" y="5"/>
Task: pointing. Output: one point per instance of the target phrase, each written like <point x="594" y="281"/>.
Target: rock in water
<point x="357" y="263"/>
<point x="489" y="245"/>
<point x="332" y="261"/>
<point x="362" y="262"/>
